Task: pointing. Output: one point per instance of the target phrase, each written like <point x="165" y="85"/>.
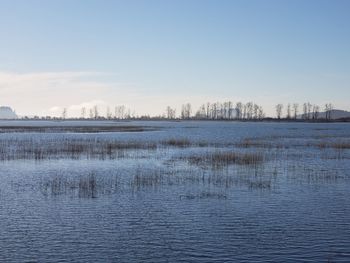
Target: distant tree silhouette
<point x="64" y="113"/>
<point x="108" y="113"/>
<point x="261" y="113"/>
<point x="288" y="111"/>
<point x="305" y="116"/>
<point x="309" y="107"/>
<point x="83" y="112"/>
<point x="186" y="111"/>
<point x="119" y="112"/>
<point x="315" y="112"/>
<point x="279" y="108"/>
<point x="328" y="109"/>
<point x="95" y="111"/>
<point x="91" y="114"/>
<point x="170" y="113"/>
<point x="239" y="107"/>
<point x="295" y="110"/>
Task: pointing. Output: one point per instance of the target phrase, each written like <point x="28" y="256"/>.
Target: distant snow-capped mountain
<point x="7" y="113"/>
<point x="335" y="114"/>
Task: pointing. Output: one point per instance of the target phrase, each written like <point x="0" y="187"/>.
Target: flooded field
<point x="188" y="191"/>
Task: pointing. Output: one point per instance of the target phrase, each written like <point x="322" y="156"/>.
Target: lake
<point x="189" y="191"/>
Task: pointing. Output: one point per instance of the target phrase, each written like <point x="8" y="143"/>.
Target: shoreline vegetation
<point x="76" y="129"/>
<point x="131" y="119"/>
<point x="247" y="151"/>
<point x="225" y="111"/>
<point x="119" y="164"/>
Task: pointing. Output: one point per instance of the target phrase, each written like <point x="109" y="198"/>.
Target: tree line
<point x="213" y="111"/>
<point x="309" y="111"/>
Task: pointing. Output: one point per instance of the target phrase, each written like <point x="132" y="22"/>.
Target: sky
<point x="149" y="54"/>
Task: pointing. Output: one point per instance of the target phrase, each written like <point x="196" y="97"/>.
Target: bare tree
<point x="201" y="113"/>
<point x="95" y="110"/>
<point x="328" y="110"/>
<point x="256" y="111"/>
<point x="279" y="108"/>
<point x="183" y="112"/>
<point x="214" y="111"/>
<point x="208" y="110"/>
<point x="315" y="112"/>
<point x="305" y="111"/>
<point x="119" y="112"/>
<point x="244" y="111"/>
<point x="239" y="110"/>
<point x="288" y="111"/>
<point x="64" y="113"/>
<point x="83" y="112"/>
<point x="261" y="114"/>
<point x="249" y="107"/>
<point x="170" y="113"/>
<point x="295" y="110"/>
<point x="309" y="107"/>
<point x="91" y="113"/>
<point x="230" y="109"/>
<point x="186" y="111"/>
<point x="127" y="114"/>
<point x="108" y="113"/>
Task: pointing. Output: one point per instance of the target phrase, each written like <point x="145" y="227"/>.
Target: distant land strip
<point x="76" y="129"/>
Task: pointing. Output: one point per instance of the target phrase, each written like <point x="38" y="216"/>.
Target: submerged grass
<point x="259" y="184"/>
<point x="247" y="143"/>
<point x="68" y="148"/>
<point x="340" y="145"/>
<point x="147" y="178"/>
<point x="204" y="195"/>
<point x="177" y="143"/>
<point x="83" y="186"/>
<point x="75" y="129"/>
<point x="184" y="143"/>
<point x="219" y="159"/>
<point x="76" y="148"/>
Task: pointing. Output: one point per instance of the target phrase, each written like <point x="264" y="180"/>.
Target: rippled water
<point x="152" y="206"/>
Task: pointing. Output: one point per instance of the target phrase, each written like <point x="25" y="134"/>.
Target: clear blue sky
<point x="148" y="54"/>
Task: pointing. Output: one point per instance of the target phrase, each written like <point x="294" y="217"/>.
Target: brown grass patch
<point x="177" y="143"/>
<point x="334" y="145"/>
<point x="226" y="158"/>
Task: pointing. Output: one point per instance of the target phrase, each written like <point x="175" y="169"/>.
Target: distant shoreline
<point x="274" y="120"/>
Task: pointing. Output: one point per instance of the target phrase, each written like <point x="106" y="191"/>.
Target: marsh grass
<point x="181" y="162"/>
<point x="247" y="143"/>
<point x="90" y="148"/>
<point x="222" y="159"/>
<point x="204" y="195"/>
<point x="83" y="186"/>
<point x="68" y="148"/>
<point x="147" y="178"/>
<point x="75" y="129"/>
<point x="88" y="186"/>
<point x="183" y="143"/>
<point x="177" y="142"/>
<point x="259" y="184"/>
<point x="340" y="145"/>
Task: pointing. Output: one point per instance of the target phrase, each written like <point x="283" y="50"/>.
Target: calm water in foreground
<point x="168" y="195"/>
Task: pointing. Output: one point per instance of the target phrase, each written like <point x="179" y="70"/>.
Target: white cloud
<point x="87" y="104"/>
<point x="47" y="93"/>
<point x="55" y="109"/>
